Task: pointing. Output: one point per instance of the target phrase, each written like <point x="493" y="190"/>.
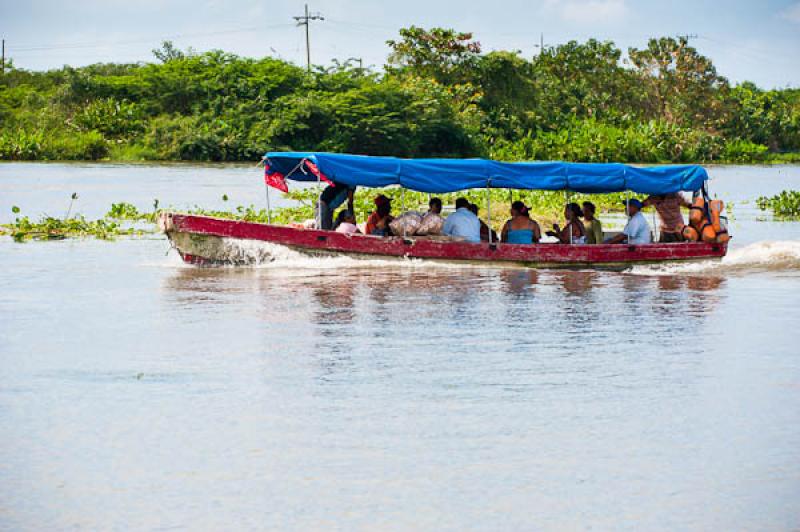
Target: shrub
<point x="739" y="150"/>
<point x="20" y="145"/>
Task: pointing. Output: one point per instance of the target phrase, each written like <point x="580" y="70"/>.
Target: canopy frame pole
<point x="489" y="209"/>
<point x="403" y="206"/>
<point x="627" y="209"/>
<point x="319" y="203"/>
<point x="269" y="209"/>
<point x="566" y="202"/>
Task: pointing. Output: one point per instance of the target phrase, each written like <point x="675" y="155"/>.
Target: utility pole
<point x="303" y="20"/>
<point x="3" y="60"/>
<point x="540" y="46"/>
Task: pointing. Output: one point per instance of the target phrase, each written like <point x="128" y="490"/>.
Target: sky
<point x="752" y="40"/>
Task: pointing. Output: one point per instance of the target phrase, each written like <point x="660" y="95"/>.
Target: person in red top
<point x="668" y="209"/>
<point x="378" y="221"/>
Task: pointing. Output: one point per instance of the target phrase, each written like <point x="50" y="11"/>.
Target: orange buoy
<point x="723" y="236"/>
<point x="715" y="208"/>
<point x="697" y="211"/>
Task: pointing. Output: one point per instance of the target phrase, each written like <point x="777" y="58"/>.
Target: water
<point x="317" y="394"/>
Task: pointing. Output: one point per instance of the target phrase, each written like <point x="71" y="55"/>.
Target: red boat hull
<point x="183" y="230"/>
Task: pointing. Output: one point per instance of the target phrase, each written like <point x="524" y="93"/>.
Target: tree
<point x="442" y="54"/>
<point x="168" y="52"/>
<point x="584" y="80"/>
<point x="682" y="85"/>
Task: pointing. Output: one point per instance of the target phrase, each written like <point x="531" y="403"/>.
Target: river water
<point x="318" y="394"/>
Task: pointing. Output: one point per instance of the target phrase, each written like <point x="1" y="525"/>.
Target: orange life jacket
<point x="715" y="208"/>
<point x="689" y="233"/>
<point x="697" y="211"/>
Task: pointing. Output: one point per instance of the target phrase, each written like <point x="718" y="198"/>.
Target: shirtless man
<point x="668" y="209"/>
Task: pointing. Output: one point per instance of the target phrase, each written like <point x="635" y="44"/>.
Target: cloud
<point x="588" y="11"/>
<point x="792" y="13"/>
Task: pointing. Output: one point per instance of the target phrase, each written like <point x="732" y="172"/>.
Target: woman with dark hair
<point x="594" y="229"/>
<point x="573" y="232"/>
<point x="380" y="219"/>
<point x="520" y="229"/>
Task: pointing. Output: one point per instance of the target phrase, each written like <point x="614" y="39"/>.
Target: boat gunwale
<point x="545" y="255"/>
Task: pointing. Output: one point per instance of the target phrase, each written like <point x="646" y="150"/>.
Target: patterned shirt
<point x="670" y="218"/>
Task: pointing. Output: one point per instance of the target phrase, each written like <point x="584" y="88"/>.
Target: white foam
<point x="773" y="256"/>
<point x="267" y="255"/>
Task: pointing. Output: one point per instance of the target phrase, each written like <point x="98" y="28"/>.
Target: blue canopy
<point x="452" y="175"/>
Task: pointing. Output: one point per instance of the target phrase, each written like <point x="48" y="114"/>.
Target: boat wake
<point x="267" y="255"/>
<point x="765" y="256"/>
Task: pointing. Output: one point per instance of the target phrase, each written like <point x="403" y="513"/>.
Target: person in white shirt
<point x="463" y="223"/>
<point x="637" y="230"/>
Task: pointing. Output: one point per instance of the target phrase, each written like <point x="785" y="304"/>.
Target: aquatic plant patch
<point x="785" y="204"/>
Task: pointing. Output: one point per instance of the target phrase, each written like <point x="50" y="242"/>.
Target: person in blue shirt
<point x="330" y="199"/>
<point x="637" y="230"/>
<point x="463" y="223"/>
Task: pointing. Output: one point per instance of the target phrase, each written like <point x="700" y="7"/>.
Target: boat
<point x="205" y="240"/>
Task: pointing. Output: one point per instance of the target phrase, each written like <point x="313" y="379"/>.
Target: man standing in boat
<point x="670" y="219"/>
<point x="331" y="198"/>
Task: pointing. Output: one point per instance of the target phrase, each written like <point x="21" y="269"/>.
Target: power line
<point x="106" y="44"/>
<point x="304" y="20"/>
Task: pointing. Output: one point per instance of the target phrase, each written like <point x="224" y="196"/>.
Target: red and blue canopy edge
<point x="452" y="175"/>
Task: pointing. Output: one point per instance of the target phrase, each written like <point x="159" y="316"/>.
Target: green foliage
<point x="439" y="96"/>
<point x="443" y="54"/>
<point x="785" y="204"/>
<point x="592" y="141"/>
<point x="79" y="146"/>
<point x="128" y="212"/>
<point x="681" y="85"/>
<point x="739" y="150"/>
<point x="114" y="119"/>
<point x="49" y="228"/>
<point x="19" y="145"/>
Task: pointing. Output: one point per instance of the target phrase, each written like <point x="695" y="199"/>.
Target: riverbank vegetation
<point x="438" y="95"/>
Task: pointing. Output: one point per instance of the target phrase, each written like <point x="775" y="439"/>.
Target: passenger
<point x="382" y="218"/>
<point x="636" y="230"/>
<point x="668" y="209"/>
<point x="520" y="229"/>
<point x="484" y="228"/>
<point x="373" y="218"/>
<point x="594" y="229"/>
<point x="346" y="222"/>
<point x="573" y="232"/>
<point x="435" y="206"/>
<point x="331" y="198"/>
<point x="463" y="223"/>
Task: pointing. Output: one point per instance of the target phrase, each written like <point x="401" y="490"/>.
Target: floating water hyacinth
<point x="785" y="204"/>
